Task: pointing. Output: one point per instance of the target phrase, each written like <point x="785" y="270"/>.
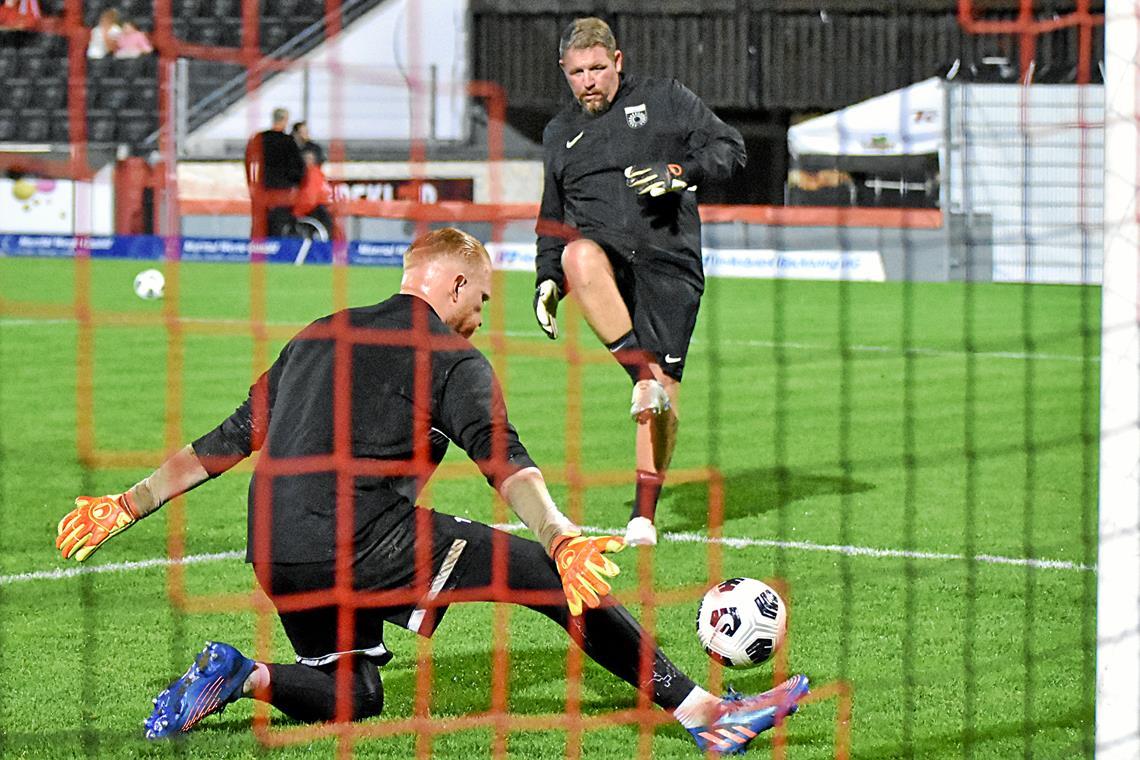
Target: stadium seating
<point x="60" y="126"/>
<point x="122" y="95"/>
<point x="19" y="93"/>
<point x="35" y="125"/>
<point x="100" y="126"/>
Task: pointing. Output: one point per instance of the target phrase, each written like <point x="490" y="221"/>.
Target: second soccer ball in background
<point x="149" y="284"/>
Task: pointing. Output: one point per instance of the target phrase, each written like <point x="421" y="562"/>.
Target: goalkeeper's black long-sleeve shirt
<point x="406" y="403"/>
<point x="584" y="186"/>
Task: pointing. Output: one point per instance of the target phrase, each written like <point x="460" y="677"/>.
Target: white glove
<point x="546" y="297"/>
<point x="655" y="179"/>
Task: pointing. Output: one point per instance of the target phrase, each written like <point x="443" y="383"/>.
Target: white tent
<point x="906" y="122"/>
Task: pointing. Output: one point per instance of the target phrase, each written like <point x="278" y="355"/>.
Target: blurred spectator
<point x="304" y="142"/>
<point x="105" y="35"/>
<point x="273" y="171"/>
<point x="315" y="196"/>
<point x="16" y="14"/>
<point x="132" y="42"/>
<point x="9" y="15"/>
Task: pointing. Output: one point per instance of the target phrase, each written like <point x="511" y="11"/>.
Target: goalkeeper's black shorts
<point x="663" y="295"/>
<point x="468" y="561"/>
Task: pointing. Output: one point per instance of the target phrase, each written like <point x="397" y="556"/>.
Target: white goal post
<point x="1118" y="560"/>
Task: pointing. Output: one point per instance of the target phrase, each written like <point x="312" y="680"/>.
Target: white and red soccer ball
<point x="741" y="622"/>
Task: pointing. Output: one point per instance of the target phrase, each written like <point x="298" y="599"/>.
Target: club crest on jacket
<point x="636" y="116"/>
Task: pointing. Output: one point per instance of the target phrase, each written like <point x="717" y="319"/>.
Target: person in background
<point x="273" y="171"/>
<point x="305" y="142"/>
<point x="105" y="36"/>
<point x="314" y="198"/>
<point x="16" y="15"/>
<point x="133" y="42"/>
<point x="621" y="163"/>
<point x="9" y="14"/>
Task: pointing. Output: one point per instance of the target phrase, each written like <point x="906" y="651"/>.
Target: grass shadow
<point x="537" y="676"/>
<point x="749" y="493"/>
<point x="955" y="743"/>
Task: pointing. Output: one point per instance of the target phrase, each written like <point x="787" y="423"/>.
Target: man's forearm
<point x="528" y="496"/>
<point x="548" y="261"/>
<point x="181" y="472"/>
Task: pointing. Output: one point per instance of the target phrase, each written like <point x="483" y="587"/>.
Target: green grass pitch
<point x="950" y="428"/>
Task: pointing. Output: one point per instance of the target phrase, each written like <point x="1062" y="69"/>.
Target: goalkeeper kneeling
<point x="377" y="452"/>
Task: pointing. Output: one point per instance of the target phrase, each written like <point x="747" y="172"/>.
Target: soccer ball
<point x="741" y="622"/>
<point x="149" y="284"/>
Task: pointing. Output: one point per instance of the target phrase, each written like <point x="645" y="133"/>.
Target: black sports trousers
<point x="463" y="559"/>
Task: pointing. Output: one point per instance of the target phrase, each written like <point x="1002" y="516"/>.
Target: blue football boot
<point x="744" y="718"/>
<point x="213" y="681"/>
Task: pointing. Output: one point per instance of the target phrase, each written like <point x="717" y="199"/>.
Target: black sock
<point x="609" y="635"/>
<point x="613" y="639"/>
<point x="632" y="357"/>
<point x="646" y="493"/>
<point x="308" y="694"/>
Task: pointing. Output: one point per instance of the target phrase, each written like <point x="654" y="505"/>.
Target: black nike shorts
<point x="388" y="588"/>
<point x="662" y="299"/>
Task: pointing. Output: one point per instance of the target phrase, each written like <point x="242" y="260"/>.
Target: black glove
<point x="655" y="179"/>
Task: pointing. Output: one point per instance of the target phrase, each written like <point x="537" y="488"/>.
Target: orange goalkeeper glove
<point x="93" y="521"/>
<point x="584" y="568"/>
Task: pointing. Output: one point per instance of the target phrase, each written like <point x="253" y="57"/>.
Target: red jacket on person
<point x="314" y="191"/>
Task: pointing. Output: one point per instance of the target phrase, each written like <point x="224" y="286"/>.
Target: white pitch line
<point x="916" y="351"/>
<point x="62" y="573"/>
<point x="866" y="551"/>
<point x="785" y="345"/>
<point x="21" y="322"/>
<point x="685" y="538"/>
<point x="677" y="538"/>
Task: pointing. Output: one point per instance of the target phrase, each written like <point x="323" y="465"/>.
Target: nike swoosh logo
<point x="671" y="359"/>
<point x="571" y="143"/>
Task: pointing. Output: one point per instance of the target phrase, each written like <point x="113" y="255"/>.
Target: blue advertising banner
<point x="233" y="250"/>
<point x="822" y="264"/>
